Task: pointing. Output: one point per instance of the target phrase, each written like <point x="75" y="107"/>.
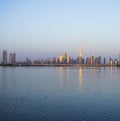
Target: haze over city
<point x="59" y="60"/>
<point x="40" y="29"/>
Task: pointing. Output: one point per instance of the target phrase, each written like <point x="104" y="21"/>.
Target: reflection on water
<point x="7" y="77"/>
<point x="67" y="73"/>
<point x="114" y="73"/>
<point x="80" y="77"/>
<point x="64" y="77"/>
<point x="52" y="94"/>
<point x="81" y="74"/>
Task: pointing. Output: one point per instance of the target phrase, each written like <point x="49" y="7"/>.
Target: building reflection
<point x="80" y="78"/>
<point x="64" y="77"/>
<point x="110" y="70"/>
<point x="93" y="73"/>
<point x="114" y="73"/>
<point x="8" y="74"/>
<point x="4" y="78"/>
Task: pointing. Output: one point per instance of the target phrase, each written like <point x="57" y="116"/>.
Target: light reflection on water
<point x="80" y="78"/>
<point x="59" y="93"/>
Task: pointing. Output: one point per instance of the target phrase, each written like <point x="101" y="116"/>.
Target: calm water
<point x="59" y="94"/>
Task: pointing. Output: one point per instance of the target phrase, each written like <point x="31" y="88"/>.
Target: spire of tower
<point x="80" y="55"/>
<point x="80" y="50"/>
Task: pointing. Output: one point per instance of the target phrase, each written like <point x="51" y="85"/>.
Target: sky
<point x="48" y="28"/>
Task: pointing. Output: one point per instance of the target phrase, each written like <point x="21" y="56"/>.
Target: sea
<point x="60" y="93"/>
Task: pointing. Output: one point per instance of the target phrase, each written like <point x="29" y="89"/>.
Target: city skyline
<point x="64" y="59"/>
<point x="40" y="29"/>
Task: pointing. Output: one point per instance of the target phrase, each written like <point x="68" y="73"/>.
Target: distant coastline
<point x="62" y="60"/>
<point x="60" y="65"/>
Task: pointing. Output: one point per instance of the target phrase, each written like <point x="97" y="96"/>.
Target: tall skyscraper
<point x="92" y="59"/>
<point x="12" y="58"/>
<point x="104" y="62"/>
<point x="111" y="61"/>
<point x="66" y="58"/>
<point x="5" y="57"/>
<point x="99" y="60"/>
<point x="80" y="55"/>
<point x="60" y="59"/>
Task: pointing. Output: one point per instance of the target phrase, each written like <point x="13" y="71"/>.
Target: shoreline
<point x="58" y="65"/>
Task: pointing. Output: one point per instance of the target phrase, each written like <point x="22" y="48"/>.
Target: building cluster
<point x="11" y="60"/>
<point x="62" y="59"/>
<point x="65" y="59"/>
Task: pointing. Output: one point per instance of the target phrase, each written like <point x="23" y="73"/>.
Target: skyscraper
<point x="12" y="58"/>
<point x="66" y="58"/>
<point x="92" y="60"/>
<point x="80" y="55"/>
<point x="5" y="57"/>
<point x="104" y="62"/>
<point x="60" y="59"/>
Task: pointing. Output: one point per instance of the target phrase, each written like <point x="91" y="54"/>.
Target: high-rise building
<point x="5" y="57"/>
<point x="66" y="58"/>
<point x="60" y="59"/>
<point x="115" y="61"/>
<point x="96" y="60"/>
<point x="88" y="60"/>
<point x="92" y="59"/>
<point x="104" y="62"/>
<point x="12" y="58"/>
<point x="111" y="61"/>
<point x="80" y="55"/>
<point x="99" y="60"/>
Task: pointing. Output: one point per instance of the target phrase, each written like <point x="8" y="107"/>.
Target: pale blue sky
<point x="47" y="28"/>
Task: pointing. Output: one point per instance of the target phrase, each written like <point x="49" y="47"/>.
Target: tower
<point x="60" y="59"/>
<point x="5" y="57"/>
<point x="12" y="58"/>
<point x="80" y="55"/>
<point x="81" y="51"/>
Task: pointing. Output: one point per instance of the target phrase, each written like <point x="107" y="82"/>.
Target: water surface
<point x="59" y="94"/>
